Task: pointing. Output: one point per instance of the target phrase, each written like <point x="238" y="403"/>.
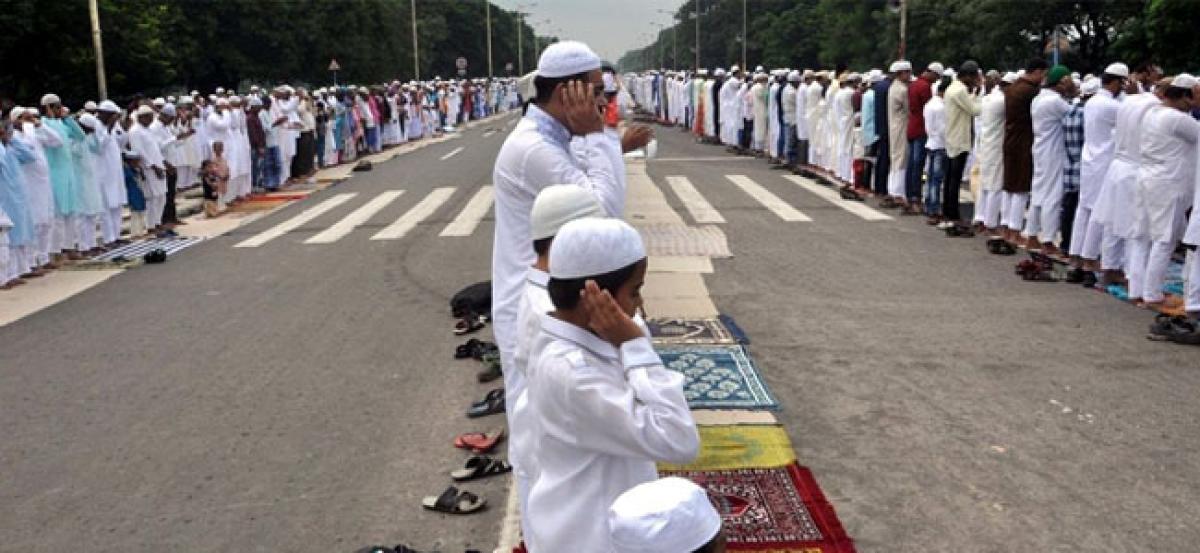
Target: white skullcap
<point x="950" y="73"/>
<point x="794" y="77"/>
<point x="702" y="72"/>
<point x="900" y="65"/>
<point x="1183" y="80"/>
<point x="288" y="89"/>
<point x="159" y="102"/>
<point x="1119" y="69"/>
<point x="195" y="93"/>
<point x="937" y="67"/>
<point x="143" y="110"/>
<point x="610" y="82"/>
<point x="363" y="89"/>
<point x="1009" y="77"/>
<point x="222" y="102"/>
<point x="186" y="101"/>
<point x="88" y="120"/>
<point x="559" y="204"/>
<point x="735" y="69"/>
<point x="254" y="87"/>
<point x="255" y="101"/>
<point x="212" y="97"/>
<point x="89" y="105"/>
<point x="170" y="99"/>
<point x="566" y="58"/>
<point x="719" y="72"/>
<point x="1090" y="86"/>
<point x="220" y="90"/>
<point x="591" y="247"/>
<point x="808" y="73"/>
<point x="1075" y="75"/>
<point x="51" y="99"/>
<point x="875" y="76"/>
<point x="758" y="69"/>
<point x="169" y="110"/>
<point x="666" y="515"/>
<point x="16" y="113"/>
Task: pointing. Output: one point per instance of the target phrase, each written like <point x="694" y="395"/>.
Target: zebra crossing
<point x="476" y="209"/>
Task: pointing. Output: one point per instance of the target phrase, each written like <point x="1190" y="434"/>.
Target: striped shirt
<point x="1073" y="137"/>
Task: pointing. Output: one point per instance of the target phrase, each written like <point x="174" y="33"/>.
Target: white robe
<point x="1166" y="176"/>
<point x="39" y="193"/>
<point x="1049" y="148"/>
<point x="843" y="115"/>
<point x="1114" y="208"/>
<point x="1099" y="123"/>
<point x="991" y="142"/>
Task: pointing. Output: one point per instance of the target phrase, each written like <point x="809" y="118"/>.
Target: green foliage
<point x="996" y="33"/>
<point x="160" y="46"/>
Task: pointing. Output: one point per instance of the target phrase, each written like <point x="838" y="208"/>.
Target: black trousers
<point x="883" y="163"/>
<point x="169" y="215"/>
<point x="1070" y="202"/>
<point x="747" y="132"/>
<point x="951" y="186"/>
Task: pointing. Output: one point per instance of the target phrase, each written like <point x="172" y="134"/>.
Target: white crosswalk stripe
<point x="426" y="207"/>
<point x="702" y="211"/>
<point x="768" y="200"/>
<point x="452" y="153"/>
<point x="475" y="210"/>
<point x="355" y="219"/>
<point x="828" y="194"/>
<point x="295" y="222"/>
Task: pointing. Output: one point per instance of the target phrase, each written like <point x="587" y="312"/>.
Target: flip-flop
<point x="467" y="326"/>
<point x="454" y="502"/>
<point x="466" y="349"/>
<point x="497" y="393"/>
<point x="479" y="442"/>
<point x="480" y="467"/>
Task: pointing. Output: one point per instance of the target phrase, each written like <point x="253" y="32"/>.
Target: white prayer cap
<point x="593" y="246"/>
<point x="89" y="105"/>
<point x="1185" y="81"/>
<point x="363" y="89"/>
<point x="719" y="72"/>
<point x="900" y="65"/>
<point x="159" y="102"/>
<point x="212" y="97"/>
<point x="808" y="73"/>
<point x="169" y="110"/>
<point x="794" y="77"/>
<point x="703" y="72"/>
<point x="1090" y="86"/>
<point x="758" y="69"/>
<point x="559" y="204"/>
<point x="875" y="76"/>
<point x="16" y="113"/>
<point x="143" y="110"/>
<point x="88" y="120"/>
<point x="186" y="101"/>
<point x="671" y="514"/>
<point x="170" y="99"/>
<point x="566" y="58"/>
<point x="195" y="93"/>
<point x="610" y="82"/>
<point x="222" y="102"/>
<point x="254" y="88"/>
<point x="288" y="89"/>
<point x="734" y="69"/>
<point x="937" y="67"/>
<point x="950" y="73"/>
<point x="1009" y="78"/>
<point x="255" y="101"/>
<point x="220" y="90"/>
<point x="50" y="99"/>
<point x="1119" y="69"/>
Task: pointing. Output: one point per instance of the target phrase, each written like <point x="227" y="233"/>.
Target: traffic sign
<point x="460" y="63"/>
<point x="333" y="65"/>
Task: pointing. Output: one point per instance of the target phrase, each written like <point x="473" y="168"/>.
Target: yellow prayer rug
<point x="730" y="447"/>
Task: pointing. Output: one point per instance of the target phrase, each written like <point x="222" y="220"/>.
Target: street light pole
<point x="903" y="26"/>
<point x="745" y="38"/>
<point x="697" y="35"/>
<point x="487" y="7"/>
<point x="101" y="82"/>
<point x="520" y="35"/>
<point x="416" y="50"/>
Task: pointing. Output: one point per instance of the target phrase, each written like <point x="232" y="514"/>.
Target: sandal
<point x="454" y="502"/>
<point x="497" y="393"/>
<point x="466" y="350"/>
<point x="489" y="406"/>
<point x="480" y="467"/>
<point x="467" y="325"/>
<point x="479" y="442"/>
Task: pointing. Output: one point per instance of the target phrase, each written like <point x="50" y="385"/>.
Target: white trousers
<point x="988" y="208"/>
<point x="43" y="243"/>
<point x="1135" y="271"/>
<point x="86" y="231"/>
<point x="110" y="225"/>
<point x="1191" y="283"/>
<point x="1114" y="251"/>
<point x="154" y="210"/>
<point x="896" y="183"/>
<point x="1154" y="273"/>
<point x="1012" y="211"/>
<point x="1087" y="235"/>
<point x="1044" y="220"/>
<point x="137" y="223"/>
<point x="65" y="235"/>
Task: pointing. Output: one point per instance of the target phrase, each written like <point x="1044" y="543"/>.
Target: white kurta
<point x="812" y="115"/>
<point x="991" y="142"/>
<point x="1099" y="122"/>
<point x="146" y="143"/>
<point x="843" y="115"/>
<point x="774" y="124"/>
<point x="603" y="417"/>
<point x="758" y="95"/>
<point x="110" y="171"/>
<point x="1192" y="234"/>
<point x="801" y="100"/>
<point x="535" y="302"/>
<point x="1166" y="176"/>
<point x="1049" y="148"/>
<point x="1114" y="208"/>
<point x="39" y="193"/>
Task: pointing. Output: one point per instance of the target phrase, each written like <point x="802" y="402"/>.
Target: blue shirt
<point x="1073" y="137"/>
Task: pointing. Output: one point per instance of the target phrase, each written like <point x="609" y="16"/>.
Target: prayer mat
<point x="668" y="239"/>
<point x="141" y="247"/>
<point x="747" y="446"/>
<point x="718" y="377"/>
<point x="776" y="510"/>
<point x="689" y="331"/>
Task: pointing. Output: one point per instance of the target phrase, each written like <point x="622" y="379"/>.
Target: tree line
<point x="161" y="46"/>
<point x="865" y="33"/>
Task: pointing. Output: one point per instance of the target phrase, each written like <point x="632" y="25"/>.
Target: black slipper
<point x="481" y="466"/>
<point x="454" y="502"/>
<point x="489" y="406"/>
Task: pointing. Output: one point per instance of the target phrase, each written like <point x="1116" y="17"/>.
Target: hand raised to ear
<point x="605" y="316"/>
<point x="579" y="108"/>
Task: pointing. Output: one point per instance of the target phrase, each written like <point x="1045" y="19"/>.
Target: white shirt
<point x="1049" y="147"/>
<point x="535" y="155"/>
<point x="603" y="417"/>
<point x="935" y="123"/>
<point x="535" y="302"/>
<point x="1168" y="147"/>
<point x="1099" y="122"/>
<point x="991" y="141"/>
<point x="40" y="195"/>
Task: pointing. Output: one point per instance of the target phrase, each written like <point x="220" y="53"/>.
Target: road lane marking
<point x="702" y="211"/>
<point x="418" y="213"/>
<point x="355" y="219"/>
<point x="690" y="159"/>
<point x="768" y="200"/>
<point x="466" y="221"/>
<point x="295" y="222"/>
<point x="452" y="153"/>
<point x="828" y="194"/>
<point x="489" y="132"/>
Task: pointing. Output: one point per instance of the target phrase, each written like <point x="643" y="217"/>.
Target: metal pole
<point x="520" y="32"/>
<point x="745" y="38"/>
<point x="1056" y="45"/>
<point x="488" y="11"/>
<point x="101" y="82"/>
<point x="416" y="51"/>
<point x="697" y="35"/>
<point x="674" y="47"/>
<point x="903" y="26"/>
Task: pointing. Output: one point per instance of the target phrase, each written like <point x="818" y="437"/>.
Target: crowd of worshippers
<point x="1098" y="170"/>
<point x="69" y="179"/>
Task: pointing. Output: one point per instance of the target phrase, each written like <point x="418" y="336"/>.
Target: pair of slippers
<point x="475" y="349"/>
<point x="479" y="442"/>
<point x="1000" y="246"/>
<point x="1033" y="271"/>
<point x="491" y="404"/>
<point x="1180" y="330"/>
<point x="458" y="502"/>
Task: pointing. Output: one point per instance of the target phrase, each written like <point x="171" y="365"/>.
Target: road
<point x="293" y="389"/>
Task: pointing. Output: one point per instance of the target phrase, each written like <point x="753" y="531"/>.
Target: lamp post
<point x="744" y="37"/>
<point x="487" y="10"/>
<point x="674" y="39"/>
<point x="520" y="35"/>
<point x="101" y="82"/>
<point x="416" y="50"/>
<point x="697" y="35"/>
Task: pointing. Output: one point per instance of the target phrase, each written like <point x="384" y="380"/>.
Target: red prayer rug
<point x="779" y="510"/>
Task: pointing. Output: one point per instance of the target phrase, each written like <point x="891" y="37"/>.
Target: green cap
<point x="1056" y="74"/>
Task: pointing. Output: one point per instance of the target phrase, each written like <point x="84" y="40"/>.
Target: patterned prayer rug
<point x="141" y="247"/>
<point x="777" y="510"/>
<point x="729" y="447"/>
<point x="718" y="377"/>
<point x="689" y="331"/>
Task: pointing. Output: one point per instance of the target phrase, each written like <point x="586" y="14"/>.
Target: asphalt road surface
<point x="301" y="396"/>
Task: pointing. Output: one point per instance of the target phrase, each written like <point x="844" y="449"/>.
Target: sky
<point x="610" y="27"/>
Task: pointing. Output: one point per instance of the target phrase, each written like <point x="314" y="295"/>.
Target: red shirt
<point x="919" y="92"/>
